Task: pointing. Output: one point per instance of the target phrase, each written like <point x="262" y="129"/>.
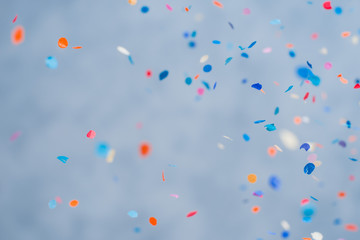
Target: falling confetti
<point x="153" y="221"/>
<point x="63" y="159"/>
<point x="190" y="214"/>
<point x="73" y="203"/>
<point x="91" y="134"/>
<point x="62" y="42"/>
<point x="18" y="35"/>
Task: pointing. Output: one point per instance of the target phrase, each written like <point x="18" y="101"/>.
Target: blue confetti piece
<point x="214" y="86"/>
<point x="309" y="168"/>
<point x="244" y="81"/>
<point x="271" y="233"/>
<point x="246" y="137"/>
<point x="231" y="25"/>
<point x="314" y="198"/>
<point x="206" y="85"/>
<point x="270" y="127"/>
<point x="342" y="143"/>
<point x="258" y="193"/>
<point x="338" y="10"/>
<point x="307" y="219"/>
<point x="275" y="22"/>
<point x="276" y="112"/>
<point x="130" y="60"/>
<point x="216" y="42"/>
<point x="257" y="86"/>
<point x="285" y="234"/>
<point x="228" y="60"/>
<point x="245" y="55"/>
<point x="186" y="34"/>
<point x="52" y="204"/>
<point x="192" y="44"/>
<point x="145" y="9"/>
<point x="337" y="221"/>
<point x="207" y="68"/>
<point x="252" y="44"/>
<point x="172" y="165"/>
<point x="102" y="149"/>
<point x="137" y="230"/>
<point x="133" y="214"/>
<point x="241" y="48"/>
<point x="310" y="66"/>
<point x="259" y="121"/>
<point x="305" y="146"/>
<point x="335" y="141"/>
<point x="353" y="159"/>
<point x="289" y="88"/>
<point x="63" y="158"/>
<point x="163" y="75"/>
<point x="51" y="62"/>
<point x="292" y="53"/>
<point x="303" y="72"/>
<point x="193" y="34"/>
<point x="348" y="124"/>
<point x="274" y="182"/>
<point x="188" y="80"/>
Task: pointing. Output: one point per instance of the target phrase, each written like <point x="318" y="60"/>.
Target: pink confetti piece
<point x="15" y="136"/>
<point x="174" y="195"/>
<point x="14" y="20"/>
<point x="328" y="65"/>
<point x="91" y="134"/>
<point x="314" y="36"/>
<point x="305" y="201"/>
<point x="190" y="214"/>
<point x="200" y="91"/>
<point x="312" y="157"/>
<point x="169" y="7"/>
<point x="246" y="11"/>
<point x="58" y="200"/>
<point x="267" y="50"/>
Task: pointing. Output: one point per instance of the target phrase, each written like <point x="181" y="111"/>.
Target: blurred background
<point x="48" y="105"/>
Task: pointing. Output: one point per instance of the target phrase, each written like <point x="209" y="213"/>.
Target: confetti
<point x="218" y="4"/>
<point x="190" y="214"/>
<point x="144" y="149"/>
<point x="163" y="75"/>
<point x="276" y="112"/>
<point x="204" y="58"/>
<point x="246" y="11"/>
<point x="174" y="195"/>
<point x="15" y="135"/>
<point x="246" y="137"/>
<point x="271" y="151"/>
<point x="231" y="25"/>
<point x="255" y="209"/>
<point x="52" y="204"/>
<point x="351" y="227"/>
<point x="244" y="55"/>
<point x="274" y="182"/>
<point x="145" y="9"/>
<point x="228" y="60"/>
<point x="153" y="221"/>
<point x="207" y="68"/>
<point x="51" y="62"/>
<point x="132" y="2"/>
<point x="328" y="65"/>
<point x="289" y="88"/>
<point x="63" y="158"/>
<point x="314" y="198"/>
<point x="305" y="146"/>
<point x="169" y="7"/>
<point x="123" y="50"/>
<point x="73" y="203"/>
<point x="216" y="42"/>
<point x="133" y="214"/>
<point x="188" y="80"/>
<point x="14" y="20"/>
<point x="252" y="178"/>
<point x="18" y="35"/>
<point x="327" y="5"/>
<point x="317" y="236"/>
<point x="270" y="127"/>
<point x="353" y="159"/>
<point x="258" y="193"/>
<point x="275" y="22"/>
<point x="102" y="149"/>
<point x="310" y="66"/>
<point x="341" y="194"/>
<point x="259" y="121"/>
<point x="91" y="134"/>
<point x="163" y="176"/>
<point x="257" y="86"/>
<point x="309" y="168"/>
<point x="110" y="156"/>
<point x="338" y="10"/>
<point x="252" y="44"/>
<point x="62" y="42"/>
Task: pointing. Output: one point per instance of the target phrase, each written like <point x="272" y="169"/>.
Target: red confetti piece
<point x="306" y="96"/>
<point x="144" y="149"/>
<point x="148" y="73"/>
<point x="351" y="227"/>
<point x="327" y="5"/>
<point x="190" y="214"/>
<point x="163" y="176"/>
<point x="218" y="4"/>
<point x="91" y="134"/>
<point x="14" y="20"/>
<point x="357" y="86"/>
<point x="313" y="99"/>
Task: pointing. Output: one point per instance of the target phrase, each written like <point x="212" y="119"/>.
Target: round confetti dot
<point x="188" y="80"/>
<point x="148" y="73"/>
<point x="252" y="178"/>
<point x="246" y="11"/>
<point x="137" y="230"/>
<point x="51" y="62"/>
<point x="91" y="134"/>
<point x="132" y="2"/>
<point x="145" y="9"/>
<point x="63" y="43"/>
<point x="73" y="203"/>
<point x="338" y="10"/>
<point x="255" y="209"/>
<point x="314" y="36"/>
<point x="207" y="68"/>
<point x="18" y="35"/>
<point x="292" y="54"/>
<point x="133" y="214"/>
<point x="297" y="120"/>
<point x="186" y="34"/>
<point x="153" y="221"/>
<point x="328" y="65"/>
<point x="274" y="182"/>
<point x="52" y="204"/>
<point x="327" y="5"/>
<point x="192" y="44"/>
<point x="144" y="150"/>
<point x="285" y="234"/>
<point x="200" y="91"/>
<point x="163" y="75"/>
<point x="352" y="178"/>
<point x="102" y="149"/>
<point x="341" y="194"/>
<point x="271" y="151"/>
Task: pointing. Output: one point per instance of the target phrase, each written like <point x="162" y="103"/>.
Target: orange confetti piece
<point x="351" y="227"/>
<point x="78" y="47"/>
<point x="262" y="91"/>
<point x="276" y="83"/>
<point x="255" y="209"/>
<point x="344" y="81"/>
<point x="18" y="35"/>
<point x="271" y="151"/>
<point x="341" y="194"/>
<point x="196" y="77"/>
<point x="297" y="120"/>
<point x="73" y="203"/>
<point x="153" y="221"/>
<point x="218" y="4"/>
<point x="340" y="75"/>
<point x="63" y="43"/>
<point x="144" y="149"/>
<point x="163" y="176"/>
<point x="290" y="45"/>
<point x="132" y="2"/>
<point x="186" y="9"/>
<point x="307" y="238"/>
<point x="345" y="34"/>
<point x="252" y="178"/>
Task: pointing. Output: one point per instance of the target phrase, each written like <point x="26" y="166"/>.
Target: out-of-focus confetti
<point x="18" y="35"/>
